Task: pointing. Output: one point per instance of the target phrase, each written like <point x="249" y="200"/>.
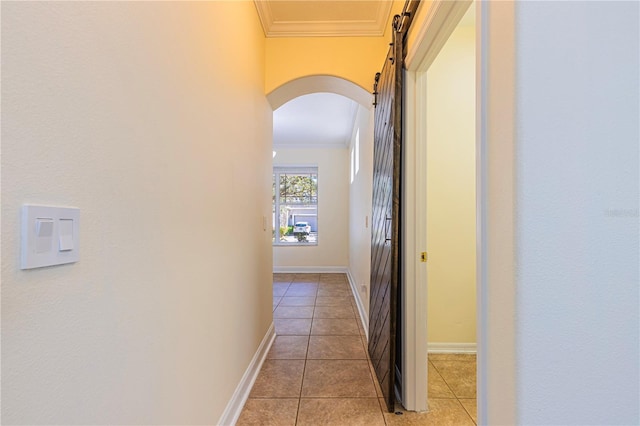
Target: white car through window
<point x="302" y="228"/>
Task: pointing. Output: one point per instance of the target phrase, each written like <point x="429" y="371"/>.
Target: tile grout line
<point x="466" y="411"/>
<point x="454" y="394"/>
<point x="445" y="382"/>
<point x="306" y="356"/>
<point x="361" y="339"/>
<point x="363" y="342"/>
<point x="371" y="374"/>
<point x="304" y="369"/>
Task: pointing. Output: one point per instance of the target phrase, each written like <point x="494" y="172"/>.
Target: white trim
<point x="335" y="28"/>
<point x="264" y="13"/>
<point x="414" y="301"/>
<point x="308" y="168"/>
<point x="236" y="403"/>
<point x="292" y="168"/>
<point x="310" y="269"/>
<point x="294" y="244"/>
<point x="421" y="294"/>
<point x="364" y="317"/>
<point x="317" y="84"/>
<point x="280" y="169"/>
<point x="325" y="29"/>
<point x="452" y="348"/>
<point x="442" y="19"/>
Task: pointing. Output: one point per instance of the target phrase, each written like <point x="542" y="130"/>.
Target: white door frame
<point x="495" y="94"/>
<point x="442" y="18"/>
<point x="414" y="295"/>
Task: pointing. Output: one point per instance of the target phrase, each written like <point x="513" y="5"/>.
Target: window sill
<point x="314" y="244"/>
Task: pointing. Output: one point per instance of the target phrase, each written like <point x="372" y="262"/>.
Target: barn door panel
<point x="385" y="242"/>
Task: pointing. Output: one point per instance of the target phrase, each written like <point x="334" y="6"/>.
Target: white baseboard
<point x="451" y="348"/>
<point x="364" y="318"/>
<point x="235" y="405"/>
<point x="310" y="269"/>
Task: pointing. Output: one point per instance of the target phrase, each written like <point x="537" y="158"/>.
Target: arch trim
<point x="319" y="84"/>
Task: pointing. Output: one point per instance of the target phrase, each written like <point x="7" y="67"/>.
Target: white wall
<point x="360" y="194"/>
<point x="151" y="118"/>
<point x="331" y="252"/>
<point x="577" y="194"/>
<point x="451" y="195"/>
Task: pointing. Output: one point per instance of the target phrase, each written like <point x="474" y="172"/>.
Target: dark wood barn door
<point x="385" y="241"/>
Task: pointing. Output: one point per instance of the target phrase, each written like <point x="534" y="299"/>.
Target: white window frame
<point x="293" y="169"/>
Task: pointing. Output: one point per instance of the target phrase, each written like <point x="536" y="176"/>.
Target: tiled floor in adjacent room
<point x="318" y="372"/>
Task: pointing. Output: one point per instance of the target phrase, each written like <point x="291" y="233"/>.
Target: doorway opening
<point x="323" y="125"/>
<point x="449" y="84"/>
<point x="440" y="309"/>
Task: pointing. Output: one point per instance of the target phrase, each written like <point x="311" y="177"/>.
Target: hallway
<point x="318" y="372"/>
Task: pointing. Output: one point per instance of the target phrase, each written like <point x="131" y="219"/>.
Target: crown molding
<point x="335" y="28"/>
<point x="264" y="13"/>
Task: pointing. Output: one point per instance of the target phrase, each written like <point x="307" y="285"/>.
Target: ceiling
<point x="319" y="120"/>
<point x="313" y="18"/>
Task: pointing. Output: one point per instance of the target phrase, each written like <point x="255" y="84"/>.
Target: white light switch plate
<point x="43" y="246"/>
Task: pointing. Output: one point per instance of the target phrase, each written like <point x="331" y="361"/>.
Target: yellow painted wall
<point x="451" y="200"/>
<point x="152" y="120"/>
<point x="356" y="59"/>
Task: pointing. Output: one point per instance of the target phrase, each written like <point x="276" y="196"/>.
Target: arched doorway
<point x="357" y="156"/>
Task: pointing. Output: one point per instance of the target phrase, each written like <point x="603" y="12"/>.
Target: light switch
<point x="44" y="234"/>
<point x="65" y="234"/>
<point x="50" y="236"/>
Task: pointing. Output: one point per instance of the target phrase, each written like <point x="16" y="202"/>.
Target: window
<point x="355" y="156"/>
<point x="353" y="169"/>
<point x="295" y="205"/>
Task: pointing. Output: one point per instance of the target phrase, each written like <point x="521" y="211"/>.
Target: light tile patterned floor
<point x="318" y="372"/>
